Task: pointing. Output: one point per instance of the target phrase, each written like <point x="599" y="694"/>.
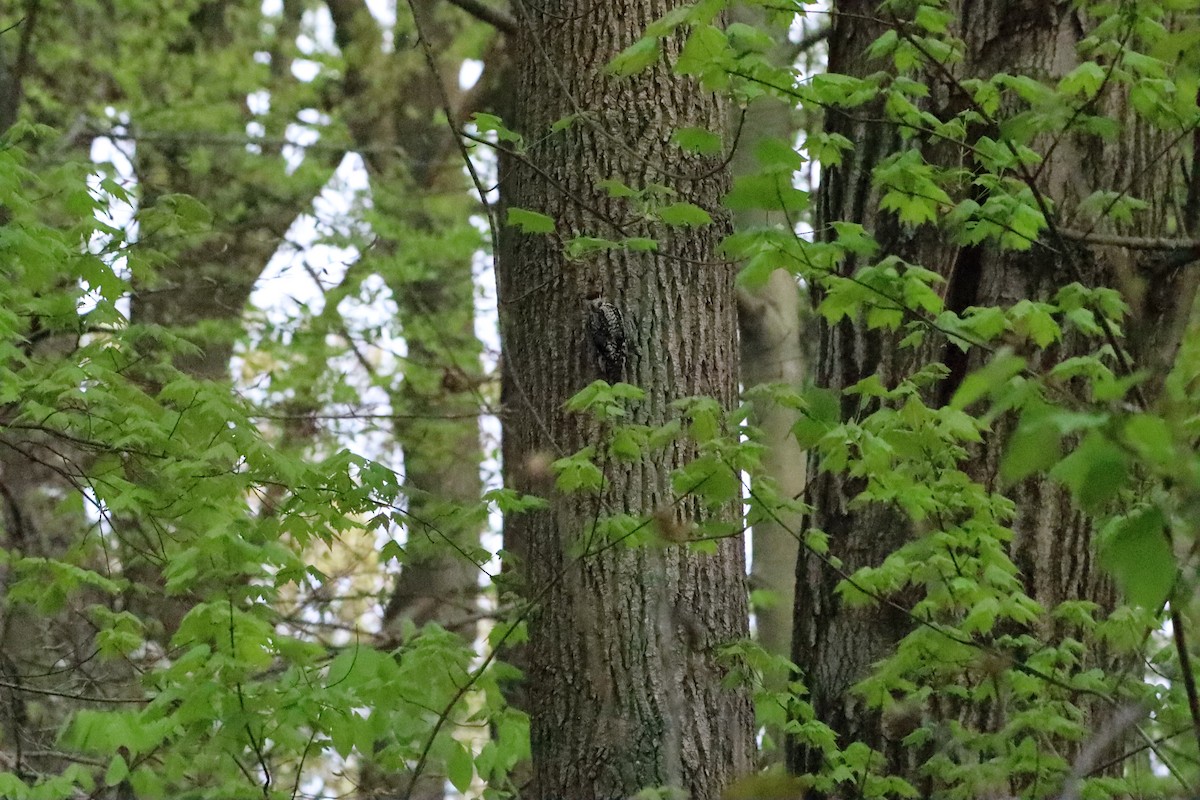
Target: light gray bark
<point x="769" y="322"/>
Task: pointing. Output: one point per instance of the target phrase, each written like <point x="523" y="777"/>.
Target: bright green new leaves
<point x="182" y="539"/>
<point x="605" y="401"/>
<point x="887" y="294"/>
<point x="1136" y="549"/>
<point x="530" y="221"/>
<point x="685" y="215"/>
<point x="1094" y="472"/>
<point x="637" y="57"/>
<point x="698" y="140"/>
<point x="910" y="188"/>
<point x="993" y="379"/>
<point x="490" y="123"/>
<point x="772" y="186"/>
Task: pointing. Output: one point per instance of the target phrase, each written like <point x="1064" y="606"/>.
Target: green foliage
<point x="183" y="534"/>
<point x="196" y="541"/>
<point x="1050" y="373"/>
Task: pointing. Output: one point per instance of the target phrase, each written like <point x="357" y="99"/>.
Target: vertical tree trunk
<point x="771" y="352"/>
<point x="1052" y="545"/>
<point x="625" y="684"/>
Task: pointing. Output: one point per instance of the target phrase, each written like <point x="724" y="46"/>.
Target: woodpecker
<point x="606" y="327"/>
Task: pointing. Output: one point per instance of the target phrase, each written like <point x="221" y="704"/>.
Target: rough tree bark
<point x="834" y="645"/>
<point x="626" y="687"/>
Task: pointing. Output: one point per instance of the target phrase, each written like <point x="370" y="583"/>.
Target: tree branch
<point x="807" y="42"/>
<point x="500" y="20"/>
<point x="1130" y="242"/>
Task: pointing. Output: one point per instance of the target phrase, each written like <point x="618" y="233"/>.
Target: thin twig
<point x="87" y="698"/>
<point x="254" y="742"/>
<point x="1185" y="667"/>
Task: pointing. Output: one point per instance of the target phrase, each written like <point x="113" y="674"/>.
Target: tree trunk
<point x="1052" y="545"/>
<point x="769" y="324"/>
<point x="625" y="686"/>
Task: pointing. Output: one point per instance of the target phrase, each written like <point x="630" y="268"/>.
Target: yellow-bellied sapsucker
<point x="606" y="328"/>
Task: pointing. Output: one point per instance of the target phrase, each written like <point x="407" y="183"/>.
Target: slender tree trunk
<point x="625" y="684"/>
<point x="1052" y="546"/>
<point x="771" y="351"/>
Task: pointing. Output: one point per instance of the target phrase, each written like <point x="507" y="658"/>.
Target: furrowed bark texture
<point x="834" y="645"/>
<point x="623" y="682"/>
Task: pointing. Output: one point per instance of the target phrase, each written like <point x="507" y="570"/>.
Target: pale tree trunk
<point x="623" y="681"/>
<point x="772" y="352"/>
<point x="835" y="645"/>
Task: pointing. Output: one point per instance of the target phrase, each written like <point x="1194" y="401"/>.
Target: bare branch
<point x="495" y="17"/>
<point x="1130" y="242"/>
<point x="807" y="42"/>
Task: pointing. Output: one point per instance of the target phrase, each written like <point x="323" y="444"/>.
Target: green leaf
<point x="988" y="379"/>
<point x="626" y="445"/>
<point x="564" y="123"/>
<point x="698" y="140"/>
<point x="1094" y="473"/>
<point x="582" y="246"/>
<point x="1135" y="550"/>
<point x="1083" y="81"/>
<point x="530" y="221"/>
<point x="827" y="148"/>
<point x="669" y="22"/>
<point x="391" y="551"/>
<point x="684" y="214"/>
<point x="640" y="244"/>
<point x="1151" y="438"/>
<point x="638" y="56"/>
<point x="577" y="472"/>
<point x="855" y="239"/>
<point x="490" y="123"/>
<point x="615" y="188"/>
<point x="933" y="19"/>
<point x="706" y="54"/>
<point x="745" y="38"/>
<point x="772" y="191"/>
<point x="1031" y="449"/>
<point x="118" y="770"/>
<point x="1034" y="320"/>
<point x="460" y="768"/>
<point x="822" y="412"/>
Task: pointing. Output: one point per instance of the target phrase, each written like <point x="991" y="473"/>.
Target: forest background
<point x="296" y="504"/>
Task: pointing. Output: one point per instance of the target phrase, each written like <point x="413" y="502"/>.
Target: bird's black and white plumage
<point x="606" y="328"/>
